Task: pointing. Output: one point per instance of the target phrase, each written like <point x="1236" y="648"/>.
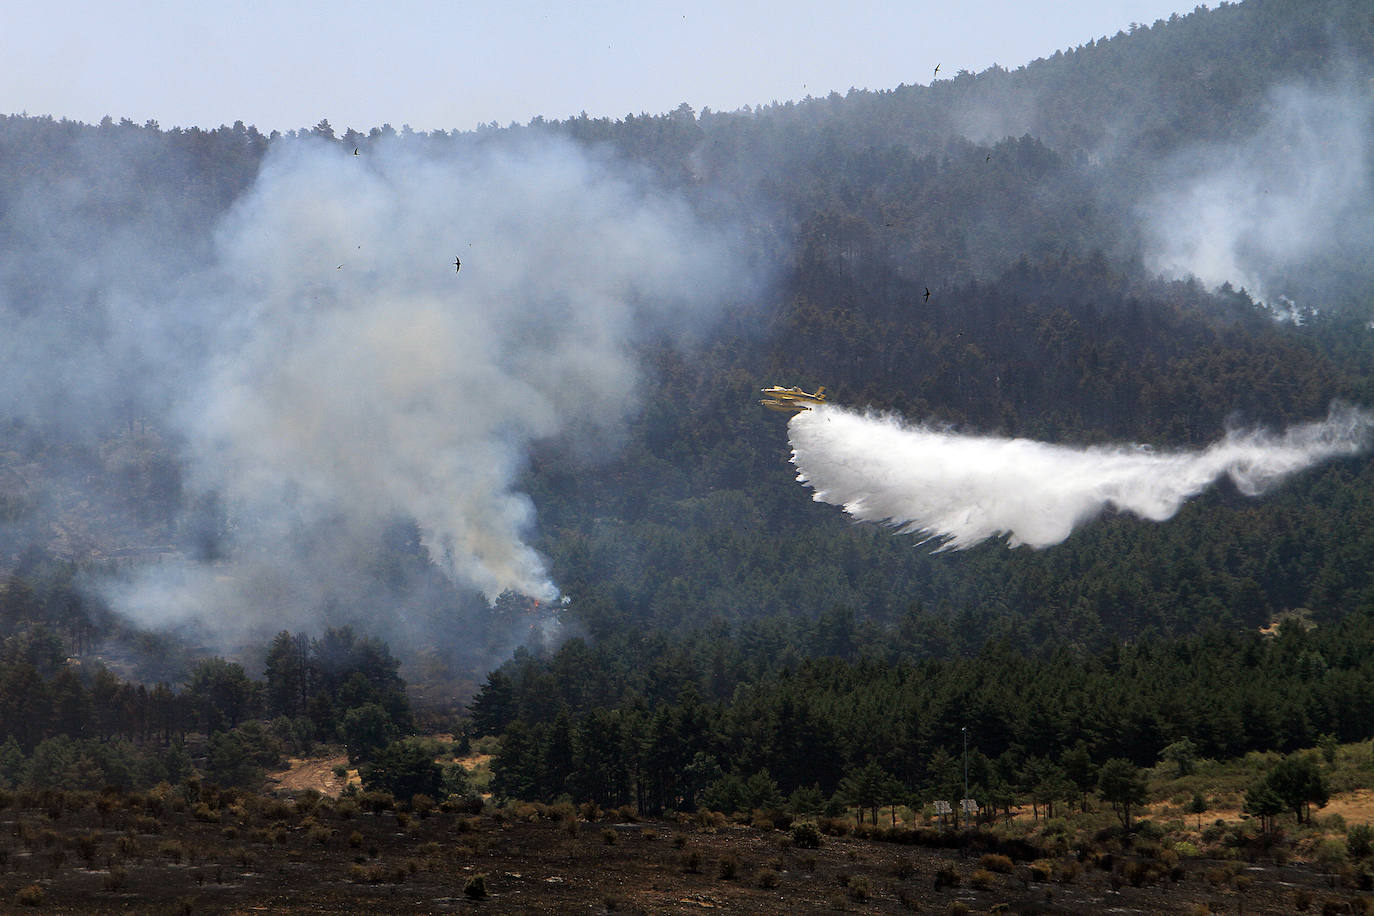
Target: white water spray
<point x="961" y="490"/>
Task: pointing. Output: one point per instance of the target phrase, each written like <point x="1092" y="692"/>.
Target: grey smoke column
<point x="355" y="377"/>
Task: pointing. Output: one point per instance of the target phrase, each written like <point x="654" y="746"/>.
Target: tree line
<point x="677" y="726"/>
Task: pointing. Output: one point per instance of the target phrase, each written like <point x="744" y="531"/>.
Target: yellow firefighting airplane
<point x="791" y="400"/>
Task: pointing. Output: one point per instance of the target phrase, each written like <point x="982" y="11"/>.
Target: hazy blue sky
<point x="281" y="64"/>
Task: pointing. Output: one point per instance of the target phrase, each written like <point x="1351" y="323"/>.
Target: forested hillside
<point x="1147" y="239"/>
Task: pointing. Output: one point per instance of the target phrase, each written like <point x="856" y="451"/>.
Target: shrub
<point x="115" y="878"/>
<point x="1067" y="871"/>
<point x="710" y="820"/>
<point x="422" y="804"/>
<point x="996" y="862"/>
<point x="609" y="836"/>
<point x="476" y="887"/>
<point x="806" y="835"/>
<point x="31" y="895"/>
<point x="1331" y="853"/>
<point x="729" y="868"/>
<point x="1359" y="841"/>
<point x="1144" y="872"/>
<point x="858" y="889"/>
<point x="982" y="879"/>
<point x="768" y="878"/>
<point x="86" y="846"/>
<point x="946" y="877"/>
<point x="834" y="826"/>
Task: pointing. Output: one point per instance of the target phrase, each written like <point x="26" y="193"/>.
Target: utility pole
<point x="963" y="802"/>
<point x="964" y="729"/>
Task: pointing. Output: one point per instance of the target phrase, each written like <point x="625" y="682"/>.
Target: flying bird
<point x="937" y="70"/>
<point x="355" y="150"/>
<point x="457" y="264"/>
<point x="927" y="298"/>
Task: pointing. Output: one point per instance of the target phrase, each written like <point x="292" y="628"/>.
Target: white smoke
<point x="354" y="376"/>
<point x="1274" y="205"/>
<point x="961" y="490"/>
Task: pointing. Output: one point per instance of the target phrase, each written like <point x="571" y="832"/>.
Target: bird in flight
<point x="927" y="298"/>
<point x="937" y="70"/>
<point x="457" y="264"/>
<point x="355" y="150"/>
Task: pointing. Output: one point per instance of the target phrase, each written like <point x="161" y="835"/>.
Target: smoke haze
<point x="1291" y="199"/>
<point x="960" y="490"/>
<point x="326" y="371"/>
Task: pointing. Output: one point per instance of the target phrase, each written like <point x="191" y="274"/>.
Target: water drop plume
<point x="960" y="490"/>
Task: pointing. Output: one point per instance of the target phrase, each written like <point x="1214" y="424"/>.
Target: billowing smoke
<point x="1291" y="199"/>
<point x="960" y="490"/>
<point x="329" y="371"/>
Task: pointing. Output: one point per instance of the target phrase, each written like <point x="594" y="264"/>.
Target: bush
<point x="946" y="877"/>
<point x="982" y="879"/>
<point x="1359" y="841"/>
<point x="1067" y="871"/>
<point x="806" y="835"/>
<point x="1331" y="854"/>
<point x="996" y="862"/>
<point x="422" y="804"/>
<point x="768" y="878"/>
<point x="476" y="887"/>
<point x="30" y="896"/>
<point x="834" y="826"/>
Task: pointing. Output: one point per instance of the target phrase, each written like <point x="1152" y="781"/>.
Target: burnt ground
<point x="77" y="853"/>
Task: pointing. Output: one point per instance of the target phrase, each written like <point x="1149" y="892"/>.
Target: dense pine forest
<point x="1003" y="252"/>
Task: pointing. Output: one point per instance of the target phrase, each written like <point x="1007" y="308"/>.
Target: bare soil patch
<point x="317" y="773"/>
